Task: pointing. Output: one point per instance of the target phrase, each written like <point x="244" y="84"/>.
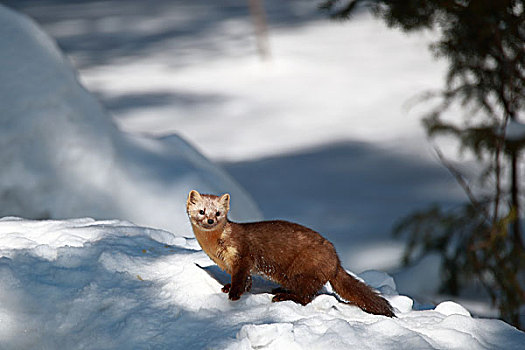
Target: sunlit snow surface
<point x="86" y="284"/>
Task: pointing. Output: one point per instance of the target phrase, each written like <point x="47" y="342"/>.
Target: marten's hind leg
<point x="301" y="289"/>
<point x="292" y="297"/>
<point x="279" y="290"/>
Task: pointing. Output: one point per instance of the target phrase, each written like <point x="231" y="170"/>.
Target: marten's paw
<point x="281" y="297"/>
<point x="235" y="292"/>
<point x="232" y="295"/>
<point x="226" y="288"/>
<point x="291" y="296"/>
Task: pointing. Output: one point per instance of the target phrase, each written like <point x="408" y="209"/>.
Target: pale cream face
<point x="207" y="211"/>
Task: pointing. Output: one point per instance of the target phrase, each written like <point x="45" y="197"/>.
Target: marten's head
<point x="207" y="211"/>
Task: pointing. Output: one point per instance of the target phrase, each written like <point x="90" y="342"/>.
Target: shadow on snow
<point x="97" y="32"/>
<point x="351" y="192"/>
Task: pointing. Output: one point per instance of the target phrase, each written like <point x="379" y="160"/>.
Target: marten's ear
<point x="193" y="197"/>
<point x="225" y="201"/>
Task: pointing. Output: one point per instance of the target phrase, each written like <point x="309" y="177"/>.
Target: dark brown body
<point x="296" y="257"/>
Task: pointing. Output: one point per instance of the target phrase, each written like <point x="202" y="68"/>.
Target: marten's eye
<point x="201" y="212"/>
<point x="218" y="214"/>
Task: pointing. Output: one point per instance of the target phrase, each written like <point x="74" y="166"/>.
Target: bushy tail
<point x="358" y="293"/>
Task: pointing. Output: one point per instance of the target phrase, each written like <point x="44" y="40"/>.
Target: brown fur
<point x="296" y="257"/>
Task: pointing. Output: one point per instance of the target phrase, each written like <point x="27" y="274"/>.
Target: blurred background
<point x="310" y="116"/>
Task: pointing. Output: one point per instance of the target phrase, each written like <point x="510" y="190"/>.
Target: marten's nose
<point x="210" y="221"/>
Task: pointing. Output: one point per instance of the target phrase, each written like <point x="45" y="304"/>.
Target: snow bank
<point x="86" y="284"/>
<point x="62" y="157"/>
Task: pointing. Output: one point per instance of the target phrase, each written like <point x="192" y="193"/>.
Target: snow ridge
<point x="86" y="284"/>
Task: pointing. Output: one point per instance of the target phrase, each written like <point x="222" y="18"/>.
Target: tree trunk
<point x="261" y="29"/>
<point x="515" y="200"/>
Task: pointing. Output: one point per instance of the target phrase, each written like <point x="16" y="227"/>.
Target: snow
<point x="448" y="308"/>
<point x="108" y="283"/>
<point x="87" y="284"/>
<point x="300" y="82"/>
<point x="62" y="157"/>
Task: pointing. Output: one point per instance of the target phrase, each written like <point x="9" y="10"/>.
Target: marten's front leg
<point x="227" y="286"/>
<point x="241" y="280"/>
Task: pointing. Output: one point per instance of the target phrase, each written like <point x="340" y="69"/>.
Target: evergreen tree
<point x="484" y="44"/>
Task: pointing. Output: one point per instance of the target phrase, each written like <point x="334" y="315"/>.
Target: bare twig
<point x="461" y="181"/>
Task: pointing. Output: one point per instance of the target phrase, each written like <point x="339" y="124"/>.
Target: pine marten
<point x="294" y="256"/>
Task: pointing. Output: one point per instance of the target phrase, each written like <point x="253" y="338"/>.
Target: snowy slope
<point x="85" y="284"/>
<point x="62" y="157"/>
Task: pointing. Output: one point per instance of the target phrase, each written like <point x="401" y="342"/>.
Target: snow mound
<point x="86" y="284"/>
<point x="62" y="157"/>
<point x="448" y="308"/>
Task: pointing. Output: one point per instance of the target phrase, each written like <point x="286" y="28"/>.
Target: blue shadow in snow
<point x="350" y="192"/>
<point x="97" y="32"/>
